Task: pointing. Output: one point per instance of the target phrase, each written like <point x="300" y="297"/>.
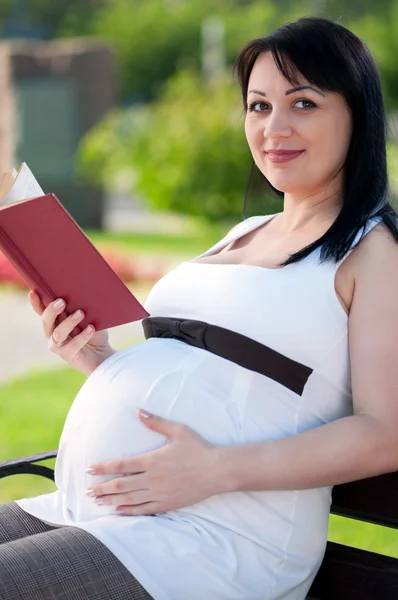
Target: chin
<point x="282" y="181"/>
<point x="285" y="187"/>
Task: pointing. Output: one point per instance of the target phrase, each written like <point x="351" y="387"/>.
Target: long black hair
<point x="333" y="58"/>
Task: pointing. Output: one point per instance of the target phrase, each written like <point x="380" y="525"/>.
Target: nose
<point x="277" y="126"/>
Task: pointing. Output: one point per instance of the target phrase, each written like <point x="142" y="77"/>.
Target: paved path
<point x="23" y="345"/>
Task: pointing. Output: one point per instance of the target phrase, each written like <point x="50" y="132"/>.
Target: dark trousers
<point x="40" y="562"/>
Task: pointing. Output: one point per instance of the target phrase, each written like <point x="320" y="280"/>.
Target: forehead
<point x="265" y="73"/>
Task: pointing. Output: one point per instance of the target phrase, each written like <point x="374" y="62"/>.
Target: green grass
<point x="193" y="242"/>
<point x="32" y="412"/>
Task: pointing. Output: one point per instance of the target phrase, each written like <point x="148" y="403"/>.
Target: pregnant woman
<point x="220" y="489"/>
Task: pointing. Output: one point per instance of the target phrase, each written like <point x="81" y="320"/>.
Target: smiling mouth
<point x="279" y="157"/>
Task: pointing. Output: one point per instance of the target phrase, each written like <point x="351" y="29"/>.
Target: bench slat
<point x="374" y="500"/>
<point x="26" y="465"/>
<point x="348" y="573"/>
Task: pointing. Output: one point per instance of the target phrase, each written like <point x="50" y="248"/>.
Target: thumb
<point x="157" y="423"/>
<point x="36" y="302"/>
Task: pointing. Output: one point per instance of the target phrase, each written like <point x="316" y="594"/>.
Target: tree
<point x="153" y="39"/>
<point x="186" y="153"/>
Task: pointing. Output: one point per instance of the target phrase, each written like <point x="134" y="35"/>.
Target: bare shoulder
<point x="375" y="257"/>
<point x="373" y="327"/>
<point x="374" y="262"/>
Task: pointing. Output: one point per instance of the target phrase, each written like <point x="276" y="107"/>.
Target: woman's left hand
<point x="179" y="474"/>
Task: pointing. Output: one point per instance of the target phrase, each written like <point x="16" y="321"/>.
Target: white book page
<point x="25" y="186"/>
<point x="7" y="181"/>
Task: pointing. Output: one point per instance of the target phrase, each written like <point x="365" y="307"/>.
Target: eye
<point x="259" y="107"/>
<point x="308" y="102"/>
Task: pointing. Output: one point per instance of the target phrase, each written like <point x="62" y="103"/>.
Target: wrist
<point x="224" y="469"/>
<point x="109" y="351"/>
<point x="243" y="467"/>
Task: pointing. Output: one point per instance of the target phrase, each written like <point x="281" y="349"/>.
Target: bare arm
<point x="345" y="450"/>
<point x="354" y="447"/>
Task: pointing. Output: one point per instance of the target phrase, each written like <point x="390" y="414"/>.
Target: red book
<point x="57" y="260"/>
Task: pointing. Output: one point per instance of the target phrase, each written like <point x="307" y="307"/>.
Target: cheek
<point x="336" y="139"/>
<point x="332" y="154"/>
<point x="248" y="131"/>
<point x="253" y="134"/>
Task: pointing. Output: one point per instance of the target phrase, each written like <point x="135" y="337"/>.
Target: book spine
<point x="23" y="266"/>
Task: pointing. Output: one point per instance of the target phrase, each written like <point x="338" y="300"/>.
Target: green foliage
<point x="392" y="160"/>
<point x="150" y="40"/>
<point x="380" y="36"/>
<point x="192" y="156"/>
<point x="104" y="155"/>
<point x="153" y="39"/>
<point x="186" y="152"/>
<point x="68" y="18"/>
<point x="51" y="14"/>
<point x="5" y="7"/>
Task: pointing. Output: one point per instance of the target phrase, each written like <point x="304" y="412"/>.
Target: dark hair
<point x="333" y="58"/>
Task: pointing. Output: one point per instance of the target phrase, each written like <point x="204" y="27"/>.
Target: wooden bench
<point x="346" y="573"/>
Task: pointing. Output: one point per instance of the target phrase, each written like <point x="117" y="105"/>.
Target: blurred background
<point x="128" y="111"/>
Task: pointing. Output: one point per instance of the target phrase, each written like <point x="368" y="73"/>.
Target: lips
<point x="282" y="155"/>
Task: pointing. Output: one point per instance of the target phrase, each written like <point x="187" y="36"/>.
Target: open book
<point x="56" y="258"/>
<point x="18" y="185"/>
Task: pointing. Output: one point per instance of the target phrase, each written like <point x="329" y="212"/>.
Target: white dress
<point x="243" y="545"/>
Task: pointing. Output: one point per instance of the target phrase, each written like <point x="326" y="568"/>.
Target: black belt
<point x="233" y="346"/>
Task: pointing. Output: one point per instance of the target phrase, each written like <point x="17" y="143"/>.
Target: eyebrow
<point x="296" y="89"/>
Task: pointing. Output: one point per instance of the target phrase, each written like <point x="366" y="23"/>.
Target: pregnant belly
<point x="203" y="391"/>
<point x="166" y="377"/>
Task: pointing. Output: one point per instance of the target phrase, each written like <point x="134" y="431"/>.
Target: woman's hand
<point x="83" y="352"/>
<point x="181" y="473"/>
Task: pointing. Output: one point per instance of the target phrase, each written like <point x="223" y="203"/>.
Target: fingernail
<point x="89" y="329"/>
<point x="59" y="303"/>
<point x="90" y="471"/>
<point x="90" y="493"/>
<point x="99" y="502"/>
<point x="144" y="413"/>
<point x="120" y="511"/>
<point x="77" y="314"/>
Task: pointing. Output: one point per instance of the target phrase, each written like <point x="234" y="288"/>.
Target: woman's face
<point x="312" y="121"/>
